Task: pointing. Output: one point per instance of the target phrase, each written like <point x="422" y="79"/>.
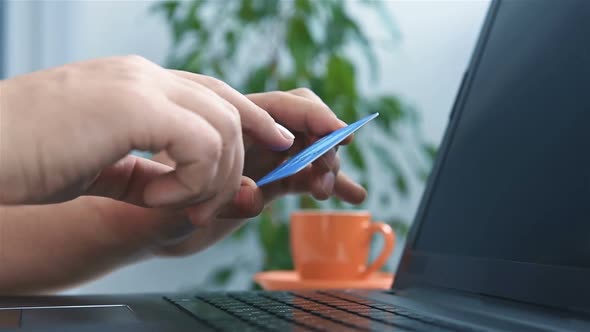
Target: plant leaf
<point x="401" y="185"/>
<point x="300" y="44"/>
<point x="287" y="83"/>
<point x="337" y="203"/>
<point x="179" y="30"/>
<point x="359" y="36"/>
<point x="335" y="30"/>
<point x="246" y="12"/>
<point x="217" y="68"/>
<point x="255" y="287"/>
<point x="266" y="231"/>
<point x="266" y="8"/>
<point x="390" y="112"/>
<point x="387" y="159"/>
<point x="303" y="6"/>
<point x="385" y="199"/>
<point x="355" y="155"/>
<point x="340" y="78"/>
<point x="193" y="62"/>
<point x="256" y="81"/>
<point x="347" y="111"/>
<point x="223" y="275"/>
<point x="385" y="16"/>
<point x="400" y="227"/>
<point x="168" y="7"/>
<point x="430" y="150"/>
<point x="307" y="202"/>
<point x="365" y="185"/>
<point x="240" y="233"/>
<point x="280" y="257"/>
<point x="230" y="43"/>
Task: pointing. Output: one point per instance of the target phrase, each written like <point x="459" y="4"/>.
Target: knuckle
<point x="232" y="123"/>
<point x="304" y="91"/>
<point x="281" y="95"/>
<point x="134" y="76"/>
<point x="214" y="147"/>
<point x="277" y="98"/>
<point x="134" y="59"/>
<point x="136" y="69"/>
<point x="215" y="83"/>
<point x="233" y="113"/>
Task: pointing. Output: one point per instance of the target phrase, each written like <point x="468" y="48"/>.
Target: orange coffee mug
<point x="335" y="245"/>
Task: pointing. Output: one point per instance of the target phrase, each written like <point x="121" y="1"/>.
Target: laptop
<point x="501" y="241"/>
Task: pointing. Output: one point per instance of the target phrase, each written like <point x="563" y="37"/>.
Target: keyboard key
<point x="206" y="311"/>
<point x="213" y="316"/>
<point x="343" y="317"/>
<point x="389" y="317"/>
<point x="303" y="311"/>
<point x="297" y="319"/>
<point x="447" y="326"/>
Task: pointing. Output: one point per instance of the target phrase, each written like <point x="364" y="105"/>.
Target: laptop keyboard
<point x="304" y="311"/>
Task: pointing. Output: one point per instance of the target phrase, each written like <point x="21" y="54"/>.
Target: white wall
<point x="42" y="34"/>
<point x="425" y="68"/>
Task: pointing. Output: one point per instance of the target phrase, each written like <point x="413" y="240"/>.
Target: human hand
<point x="68" y="131"/>
<point x="304" y="113"/>
<point x="171" y="231"/>
<point x="301" y="111"/>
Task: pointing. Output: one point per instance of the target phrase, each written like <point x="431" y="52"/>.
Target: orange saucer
<point x="289" y="280"/>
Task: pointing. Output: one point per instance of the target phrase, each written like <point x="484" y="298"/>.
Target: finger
<point x="327" y="162"/>
<point x="226" y="120"/>
<point x="323" y="185"/>
<point x="308" y="181"/>
<point x="256" y="122"/>
<point x="308" y="94"/>
<point x="348" y="190"/>
<point x="192" y="143"/>
<point x="204" y="214"/>
<point x="323" y="178"/>
<point x="126" y="179"/>
<point x="250" y="200"/>
<point x="298" y="183"/>
<point x="247" y="203"/>
<point x="298" y="113"/>
<point x="163" y="158"/>
<point x="255" y="168"/>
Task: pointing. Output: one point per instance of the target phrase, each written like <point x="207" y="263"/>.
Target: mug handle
<point x="389" y="237"/>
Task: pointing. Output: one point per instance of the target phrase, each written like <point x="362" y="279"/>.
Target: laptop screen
<point x="511" y="191"/>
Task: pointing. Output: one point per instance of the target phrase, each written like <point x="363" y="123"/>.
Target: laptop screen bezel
<point x="547" y="285"/>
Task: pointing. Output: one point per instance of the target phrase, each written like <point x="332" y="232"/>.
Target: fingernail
<point x="329" y="158"/>
<point x="328" y="182"/>
<point x="343" y="123"/>
<point x="331" y="155"/>
<point x="285" y="132"/>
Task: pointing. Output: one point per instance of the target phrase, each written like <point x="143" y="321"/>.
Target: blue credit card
<point x="313" y="152"/>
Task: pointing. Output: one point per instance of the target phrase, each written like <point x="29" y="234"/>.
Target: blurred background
<point x="404" y="59"/>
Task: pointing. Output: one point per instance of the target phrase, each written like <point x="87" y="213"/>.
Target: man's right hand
<point x="68" y="131"/>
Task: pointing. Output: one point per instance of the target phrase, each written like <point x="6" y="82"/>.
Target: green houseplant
<point x="261" y="45"/>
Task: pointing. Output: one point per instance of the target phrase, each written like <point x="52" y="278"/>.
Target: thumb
<point x="247" y="203"/>
<point x="126" y="179"/>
